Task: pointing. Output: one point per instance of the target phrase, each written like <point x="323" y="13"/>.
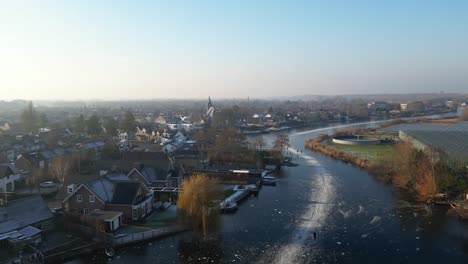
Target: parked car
<point x="47" y="184"/>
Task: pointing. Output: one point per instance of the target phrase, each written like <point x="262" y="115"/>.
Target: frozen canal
<point x="356" y="218"/>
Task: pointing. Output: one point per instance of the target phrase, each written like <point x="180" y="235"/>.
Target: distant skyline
<point x="80" y="50"/>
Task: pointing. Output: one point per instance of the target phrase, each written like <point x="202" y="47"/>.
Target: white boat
<point x="269" y="180"/>
<point x="229" y="207"/>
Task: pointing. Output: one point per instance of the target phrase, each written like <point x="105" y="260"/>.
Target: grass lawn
<point x="381" y="153"/>
<point x="156" y="220"/>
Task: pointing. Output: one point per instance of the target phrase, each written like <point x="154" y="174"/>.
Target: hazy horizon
<point x="124" y="50"/>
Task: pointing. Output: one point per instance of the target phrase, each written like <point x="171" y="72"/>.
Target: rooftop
<point x="414" y="127"/>
<point x="451" y="142"/>
<point x="125" y="192"/>
<point x="21" y="213"/>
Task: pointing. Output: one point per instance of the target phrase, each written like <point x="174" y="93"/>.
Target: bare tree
<point x="281" y="142"/>
<point x="425" y="184"/>
<point x="259" y="142"/>
<point x="60" y="167"/>
<point x="401" y="164"/>
<point x="36" y="176"/>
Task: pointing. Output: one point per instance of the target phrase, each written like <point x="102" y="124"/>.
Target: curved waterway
<point x="356" y="219"/>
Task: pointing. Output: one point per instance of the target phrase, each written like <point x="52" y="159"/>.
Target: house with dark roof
<point x="31" y="211"/>
<point x="133" y="199"/>
<point x="111" y="192"/>
<point x="154" y="176"/>
<point x="30" y="161"/>
<point x="154" y="169"/>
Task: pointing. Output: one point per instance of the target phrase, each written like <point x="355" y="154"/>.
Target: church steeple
<point x="210" y="104"/>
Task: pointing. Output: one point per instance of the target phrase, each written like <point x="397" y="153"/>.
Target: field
<point x="380" y="153"/>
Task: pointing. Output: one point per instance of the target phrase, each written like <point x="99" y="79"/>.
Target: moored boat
<point x="229" y="207"/>
<point x="269" y="180"/>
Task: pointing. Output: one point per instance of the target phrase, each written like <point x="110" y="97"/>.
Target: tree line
<point x="31" y="120"/>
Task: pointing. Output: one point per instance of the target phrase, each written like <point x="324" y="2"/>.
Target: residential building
<point x="9" y="174"/>
<point x="30" y="211"/>
<point x="160" y="120"/>
<point x="111" y="192"/>
<point x="154" y="169"/>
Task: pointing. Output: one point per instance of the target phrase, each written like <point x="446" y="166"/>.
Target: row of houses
<point x="22" y="168"/>
<point x="124" y="191"/>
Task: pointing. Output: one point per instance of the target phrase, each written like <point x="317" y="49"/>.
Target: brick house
<point x="112" y="192"/>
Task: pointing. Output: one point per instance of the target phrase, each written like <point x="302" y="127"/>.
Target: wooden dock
<point x="71" y="249"/>
<point x="149" y="235"/>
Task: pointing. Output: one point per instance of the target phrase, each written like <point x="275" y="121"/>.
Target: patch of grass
<point x="132" y="229"/>
<point x="156" y="220"/>
<point x="379" y="153"/>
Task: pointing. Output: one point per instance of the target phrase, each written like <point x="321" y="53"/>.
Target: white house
<point x="8" y="176"/>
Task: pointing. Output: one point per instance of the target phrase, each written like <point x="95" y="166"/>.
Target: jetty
<point x="240" y="192"/>
<point x="77" y="247"/>
<point x="149" y="235"/>
<point x="237" y="196"/>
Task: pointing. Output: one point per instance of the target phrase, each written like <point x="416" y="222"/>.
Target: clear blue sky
<point x="159" y="49"/>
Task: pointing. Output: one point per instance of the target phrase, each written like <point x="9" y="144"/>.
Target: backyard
<point x="158" y="219"/>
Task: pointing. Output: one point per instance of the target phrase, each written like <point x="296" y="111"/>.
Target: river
<point x="356" y="219"/>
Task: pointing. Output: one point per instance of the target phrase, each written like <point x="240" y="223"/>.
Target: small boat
<point x="269" y="180"/>
<point x="230" y="207"/>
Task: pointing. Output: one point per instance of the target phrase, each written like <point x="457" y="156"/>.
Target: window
<point x="70" y="189"/>
<point x="79" y="198"/>
<point x="86" y="211"/>
<point x="91" y="199"/>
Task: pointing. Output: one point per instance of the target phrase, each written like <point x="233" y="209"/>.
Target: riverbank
<point x="402" y="164"/>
